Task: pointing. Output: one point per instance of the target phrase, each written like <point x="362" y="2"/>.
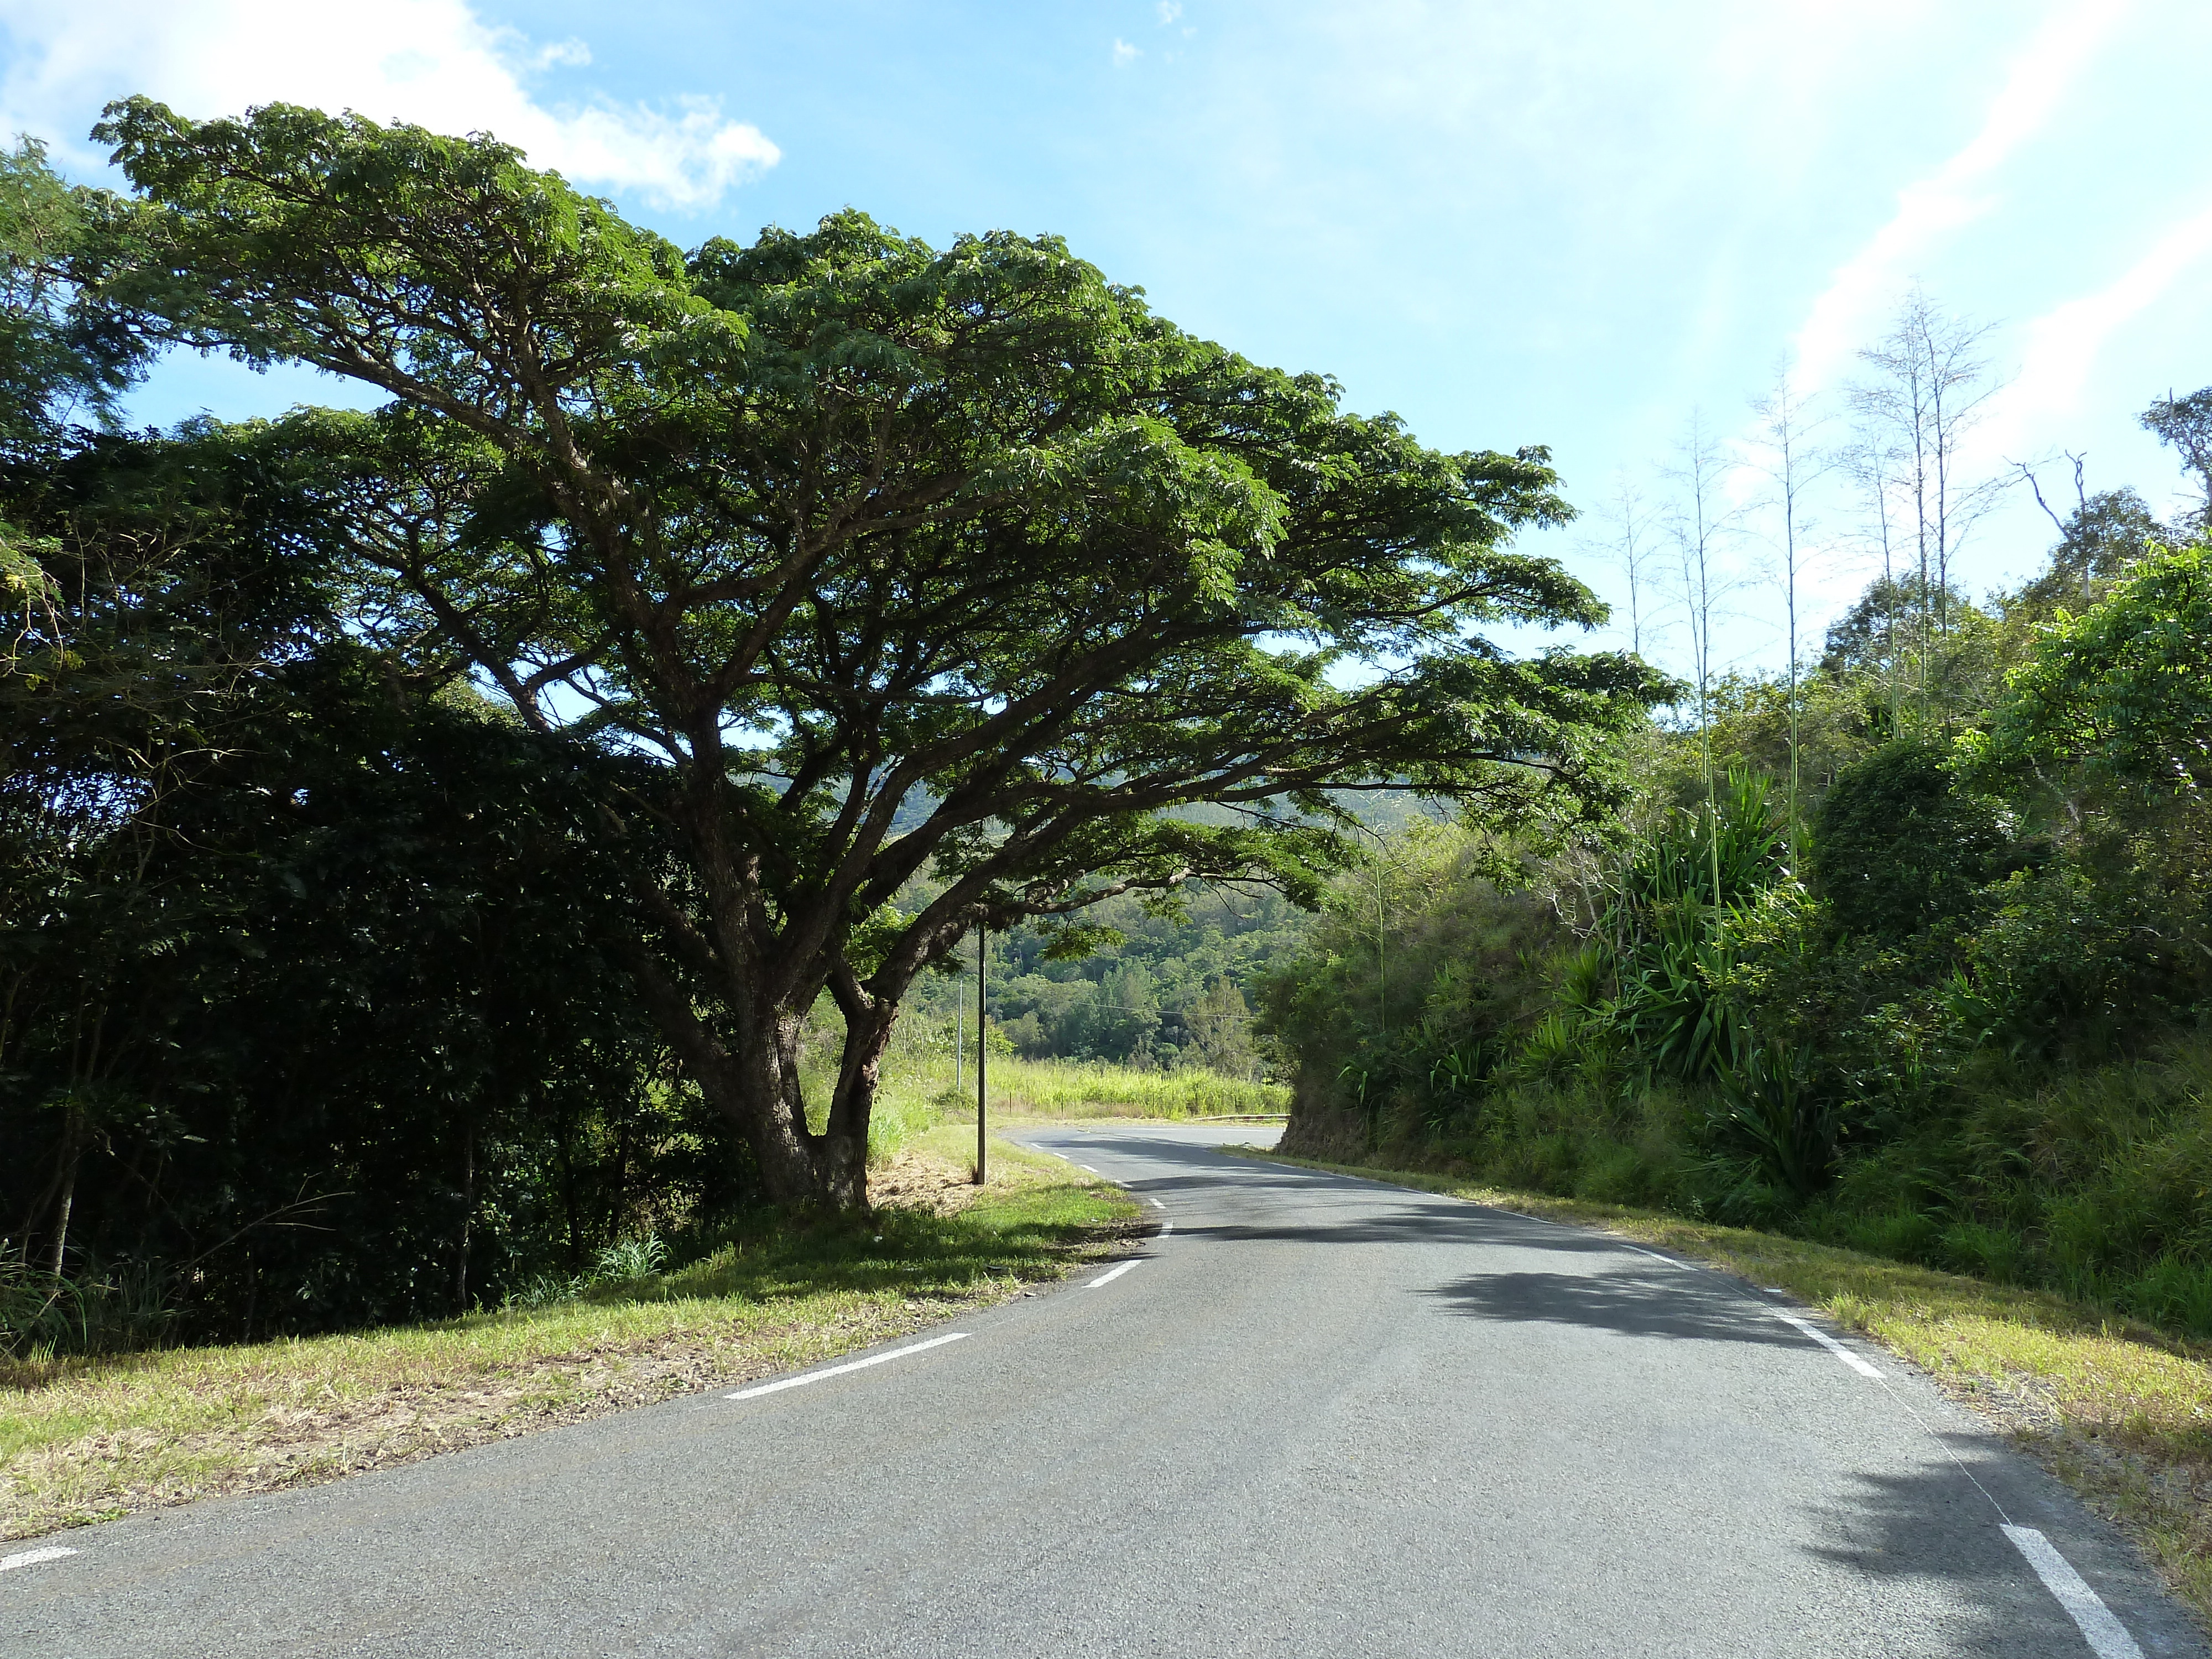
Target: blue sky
<point x="1568" y="225"/>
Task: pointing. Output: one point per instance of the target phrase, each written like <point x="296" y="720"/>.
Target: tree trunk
<point x="468" y="1214"/>
<point x="72" y="1151"/>
<point x="755" y="1085"/>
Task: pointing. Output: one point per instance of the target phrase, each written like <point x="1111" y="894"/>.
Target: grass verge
<point x="1068" y="1088"/>
<point x="2120" y="1412"/>
<point x="83" y="1440"/>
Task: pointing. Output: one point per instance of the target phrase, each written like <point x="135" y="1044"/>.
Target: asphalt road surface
<point x="1317" y="1416"/>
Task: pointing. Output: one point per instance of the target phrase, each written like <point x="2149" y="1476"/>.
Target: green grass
<point x="916" y="1093"/>
<point x="2120" y="1412"/>
<point x="1069" y="1088"/>
<point x="86" y="1439"/>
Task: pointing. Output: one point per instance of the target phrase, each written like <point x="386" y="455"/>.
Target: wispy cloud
<point x="1848" y="310"/>
<point x="2062" y="346"/>
<point x="432" y="62"/>
<point x="1171" y="13"/>
<point x="1125" y="54"/>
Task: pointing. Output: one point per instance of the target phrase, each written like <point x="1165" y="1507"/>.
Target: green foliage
<point x="1777" y="1107"/>
<point x="1421" y="1016"/>
<point x="311" y="1009"/>
<point x="41" y="1311"/>
<point x="1170" y="993"/>
<point x="1670" y="927"/>
<point x="628" y="1260"/>
<point x="2125" y="687"/>
<point x="1897" y="844"/>
<point x="838" y="523"/>
<point x="61" y="360"/>
<point x="1974" y="1040"/>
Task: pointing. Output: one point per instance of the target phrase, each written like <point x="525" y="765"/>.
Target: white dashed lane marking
<point x="2099" y="1623"/>
<point x="801" y="1380"/>
<point x="1830" y="1344"/>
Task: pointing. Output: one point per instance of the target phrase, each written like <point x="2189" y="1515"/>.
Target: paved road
<point x="1320" y="1417"/>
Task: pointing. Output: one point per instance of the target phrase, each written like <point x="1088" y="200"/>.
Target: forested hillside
<point x="1942" y="999"/>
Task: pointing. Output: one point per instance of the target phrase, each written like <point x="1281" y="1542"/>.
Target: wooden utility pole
<point x="982" y="1053"/>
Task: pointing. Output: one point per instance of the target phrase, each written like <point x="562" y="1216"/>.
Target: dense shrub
<point x="1897" y="844"/>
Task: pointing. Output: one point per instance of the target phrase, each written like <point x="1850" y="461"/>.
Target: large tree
<point x="895" y="559"/>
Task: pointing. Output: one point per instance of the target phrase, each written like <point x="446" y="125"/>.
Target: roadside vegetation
<point x="88" y="1437"/>
<point x="1908" y="953"/>
<point x="2121" y="1411"/>
<point x="499" y="867"/>
<point x="441" y="842"/>
<point x="379" y="939"/>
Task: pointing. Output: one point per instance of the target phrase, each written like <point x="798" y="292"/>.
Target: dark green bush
<point x="1897" y="845"/>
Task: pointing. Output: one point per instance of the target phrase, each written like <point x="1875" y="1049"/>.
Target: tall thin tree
<point x="1703" y="520"/>
<point x="1931" y="384"/>
<point x="1628" y="545"/>
<point x="1793" y="463"/>
<point x="1874" y="469"/>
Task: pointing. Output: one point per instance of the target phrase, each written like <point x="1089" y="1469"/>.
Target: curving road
<point x="1318" y="1416"/>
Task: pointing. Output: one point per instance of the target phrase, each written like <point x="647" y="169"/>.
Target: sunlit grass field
<point x="918" y="1090"/>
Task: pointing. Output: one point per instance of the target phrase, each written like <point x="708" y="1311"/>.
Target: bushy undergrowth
<point x="2091" y="1182"/>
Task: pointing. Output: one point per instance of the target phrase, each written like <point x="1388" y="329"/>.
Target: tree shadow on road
<point x="1929" y="1527"/>
<point x="1663" y="1302"/>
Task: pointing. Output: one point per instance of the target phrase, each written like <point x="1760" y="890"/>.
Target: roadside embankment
<point x="84" y="1439"/>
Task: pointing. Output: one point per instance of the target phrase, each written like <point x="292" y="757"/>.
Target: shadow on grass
<point x="768" y="1254"/>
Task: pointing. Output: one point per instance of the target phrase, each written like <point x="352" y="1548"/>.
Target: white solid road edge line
<point x="1113" y="1273"/>
<point x="32" y="1558"/>
<point x="2099" y="1623"/>
<point x="1830" y="1344"/>
<point x="802" y="1380"/>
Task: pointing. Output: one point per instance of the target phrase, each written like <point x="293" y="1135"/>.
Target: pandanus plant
<point x="1667" y="926"/>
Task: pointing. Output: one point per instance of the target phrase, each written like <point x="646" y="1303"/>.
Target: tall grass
<point x="917" y="1093"/>
<point x="1064" y="1088"/>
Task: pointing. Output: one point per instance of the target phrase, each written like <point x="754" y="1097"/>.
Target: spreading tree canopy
<point x="896" y="560"/>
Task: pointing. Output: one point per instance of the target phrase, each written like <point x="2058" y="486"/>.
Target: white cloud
<point x="1125" y="54"/>
<point x="2062" y="344"/>
<point x="1170" y="12"/>
<point x="431" y="62"/>
<point x="1849" y="311"/>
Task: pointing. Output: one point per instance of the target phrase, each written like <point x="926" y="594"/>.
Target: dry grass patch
<point x="84" y="1440"/>
<point x="2119" y="1412"/>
